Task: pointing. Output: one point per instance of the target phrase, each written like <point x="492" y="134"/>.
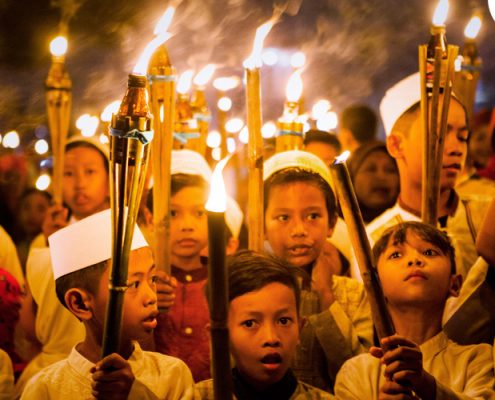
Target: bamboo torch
<point x="359" y="240"/>
<point x="186" y="130"/>
<point x="131" y="132"/>
<point x="252" y="67"/>
<point x="162" y="77"/>
<point x="217" y="280"/>
<point x="466" y="79"/>
<point x="290" y="127"/>
<point x="436" y="67"/>
<point x="58" y="92"/>
<point x="200" y="107"/>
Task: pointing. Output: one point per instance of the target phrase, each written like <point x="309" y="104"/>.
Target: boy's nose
<point x="150" y="296"/>
<point x="417" y="262"/>
<point x="270" y="337"/>
<point x="298" y="228"/>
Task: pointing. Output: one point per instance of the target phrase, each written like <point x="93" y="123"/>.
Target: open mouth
<point x="272" y="360"/>
<point x="453" y="167"/>
<point x="151" y="322"/>
<point x="299" y="250"/>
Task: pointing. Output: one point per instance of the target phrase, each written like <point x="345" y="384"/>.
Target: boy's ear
<point x="395" y="145"/>
<point x="79" y="303"/>
<point x="455" y="285"/>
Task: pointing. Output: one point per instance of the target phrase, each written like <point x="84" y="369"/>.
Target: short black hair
<point x="86" y="279"/>
<point x="29" y="191"/>
<point x="295" y="174"/>
<point x="330" y="138"/>
<point x="397" y="235"/>
<point x="249" y="271"/>
<point x="361" y="120"/>
<point x="181" y="181"/>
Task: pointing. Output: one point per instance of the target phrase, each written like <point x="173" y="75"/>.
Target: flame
<point x="298" y="60"/>
<point x="320" y="108"/>
<point x="43" y="182"/>
<point x="142" y="64"/>
<point x="268" y="130"/>
<point x="165" y="21"/>
<point x="214" y="139"/>
<point x="87" y="124"/>
<point x="328" y="121"/>
<point x="234" y="125"/>
<point x="473" y="27"/>
<point x="112" y="108"/>
<point x="342" y="158"/>
<point x="254" y="60"/>
<point x="491" y="7"/>
<point x="458" y="63"/>
<point x="185" y="80"/>
<point x="11" y="140"/>
<point x="440" y="14"/>
<point x="226" y="83"/>
<point x="217" y="200"/>
<point x="294" y="87"/>
<point x="58" y="46"/>
<point x="162" y="112"/>
<point x="204" y="75"/>
<point x="224" y="103"/>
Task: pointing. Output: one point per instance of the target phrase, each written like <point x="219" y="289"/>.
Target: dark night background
<point x="355" y="49"/>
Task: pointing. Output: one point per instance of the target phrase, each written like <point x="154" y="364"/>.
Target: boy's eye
<point x="200" y="213"/>
<point x="173" y="213"/>
<point x="282" y="217"/>
<point x="313" y="216"/>
<point x="430" y="252"/>
<point x="248" y="323"/>
<point x="133" y="285"/>
<point x="285" y="320"/>
<point x="393" y="255"/>
<point x="90" y="171"/>
<point x="68" y="174"/>
<point x="154" y="279"/>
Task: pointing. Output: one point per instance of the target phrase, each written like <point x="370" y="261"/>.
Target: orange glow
<point x="58" y="46"/>
<point x="343" y="157"/>
<point x="440" y="14"/>
<point x="185" y="81"/>
<point x="473" y="27"/>
<point x="294" y="87"/>
<point x="217" y="200"/>
<point x="226" y="83"/>
<point x="204" y="75"/>
<point x="254" y="60"/>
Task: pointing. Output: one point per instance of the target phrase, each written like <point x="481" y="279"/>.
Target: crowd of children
<point x="299" y="321"/>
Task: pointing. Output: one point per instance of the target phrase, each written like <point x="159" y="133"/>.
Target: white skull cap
<point x="85" y="243"/>
<point x="190" y="163"/>
<point x="93" y="141"/>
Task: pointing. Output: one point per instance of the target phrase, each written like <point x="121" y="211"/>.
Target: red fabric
<point x="182" y="332"/>
<point x="489" y="171"/>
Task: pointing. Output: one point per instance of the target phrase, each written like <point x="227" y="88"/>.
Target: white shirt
<point x="6" y="377"/>
<point x="157" y="376"/>
<point x="461" y="372"/>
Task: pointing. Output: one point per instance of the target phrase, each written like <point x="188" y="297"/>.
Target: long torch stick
<point x="129" y="152"/>
<point x="162" y="77"/>
<point x="58" y="105"/>
<point x="352" y="216"/>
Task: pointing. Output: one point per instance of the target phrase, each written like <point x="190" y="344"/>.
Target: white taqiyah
<point x="85" y="243"/>
<point x="190" y="163"/>
<point x="398" y="99"/>
<point x="93" y="141"/>
<point x="296" y="159"/>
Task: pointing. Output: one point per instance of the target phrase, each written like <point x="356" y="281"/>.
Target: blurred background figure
<point x="375" y="177"/>
<point x="358" y="125"/>
<point x="31" y="213"/>
<point x="323" y="144"/>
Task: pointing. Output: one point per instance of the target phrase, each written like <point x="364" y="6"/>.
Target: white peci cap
<point x="190" y="163"/>
<point x="85" y="243"/>
<point x="398" y="99"/>
<point x="93" y="141"/>
<point x="296" y="159"/>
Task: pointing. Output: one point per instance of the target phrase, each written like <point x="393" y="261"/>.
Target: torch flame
<point x="226" y="83"/>
<point x="112" y="108"/>
<point x="204" y="75"/>
<point x="342" y="158"/>
<point x="440" y="14"/>
<point x="58" y="46"/>
<point x="142" y="64"/>
<point x="217" y="200"/>
<point x="491" y="7"/>
<point x="165" y="21"/>
<point x="185" y="80"/>
<point x="254" y="60"/>
<point x="473" y="27"/>
<point x="294" y="87"/>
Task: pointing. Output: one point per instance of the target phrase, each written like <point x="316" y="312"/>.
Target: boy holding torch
<point x="416" y="266"/>
<point x="81" y="257"/>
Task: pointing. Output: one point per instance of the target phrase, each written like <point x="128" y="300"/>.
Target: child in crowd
<point x="323" y="144"/>
<point x="80" y="255"/>
<point x="264" y="326"/>
<point x="6" y="377"/>
<point x="85" y="191"/>
<point x="416" y="266"/>
<point x="300" y="213"/>
<point x="375" y="177"/>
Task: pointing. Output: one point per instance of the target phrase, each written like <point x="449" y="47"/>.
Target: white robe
<point x="6" y="377"/>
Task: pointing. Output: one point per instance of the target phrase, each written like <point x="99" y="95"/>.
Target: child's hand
<point x="404" y="367"/>
<point x="322" y="279"/>
<point x="165" y="290"/>
<point x="112" y="378"/>
<point x="55" y="219"/>
<point x="395" y="391"/>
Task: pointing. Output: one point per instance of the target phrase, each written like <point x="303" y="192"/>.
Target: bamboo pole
<point x="162" y="77"/>
<point x="129" y="153"/>
<point x="255" y="160"/>
<point x="359" y="240"/>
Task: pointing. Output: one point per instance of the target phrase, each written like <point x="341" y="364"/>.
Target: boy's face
<point x="188" y="225"/>
<point x="416" y="273"/>
<point x="323" y="150"/>
<point x="140" y="300"/>
<point x="454" y="154"/>
<point x="296" y="222"/>
<point x="32" y="213"/>
<point x="264" y="332"/>
<point x="85" y="183"/>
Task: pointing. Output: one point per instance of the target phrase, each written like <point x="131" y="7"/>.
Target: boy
<point x="81" y="253"/>
<point x="264" y="325"/>
<point x="416" y="266"/>
<point x="323" y="144"/>
<point x="300" y="214"/>
<point x="358" y="125"/>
